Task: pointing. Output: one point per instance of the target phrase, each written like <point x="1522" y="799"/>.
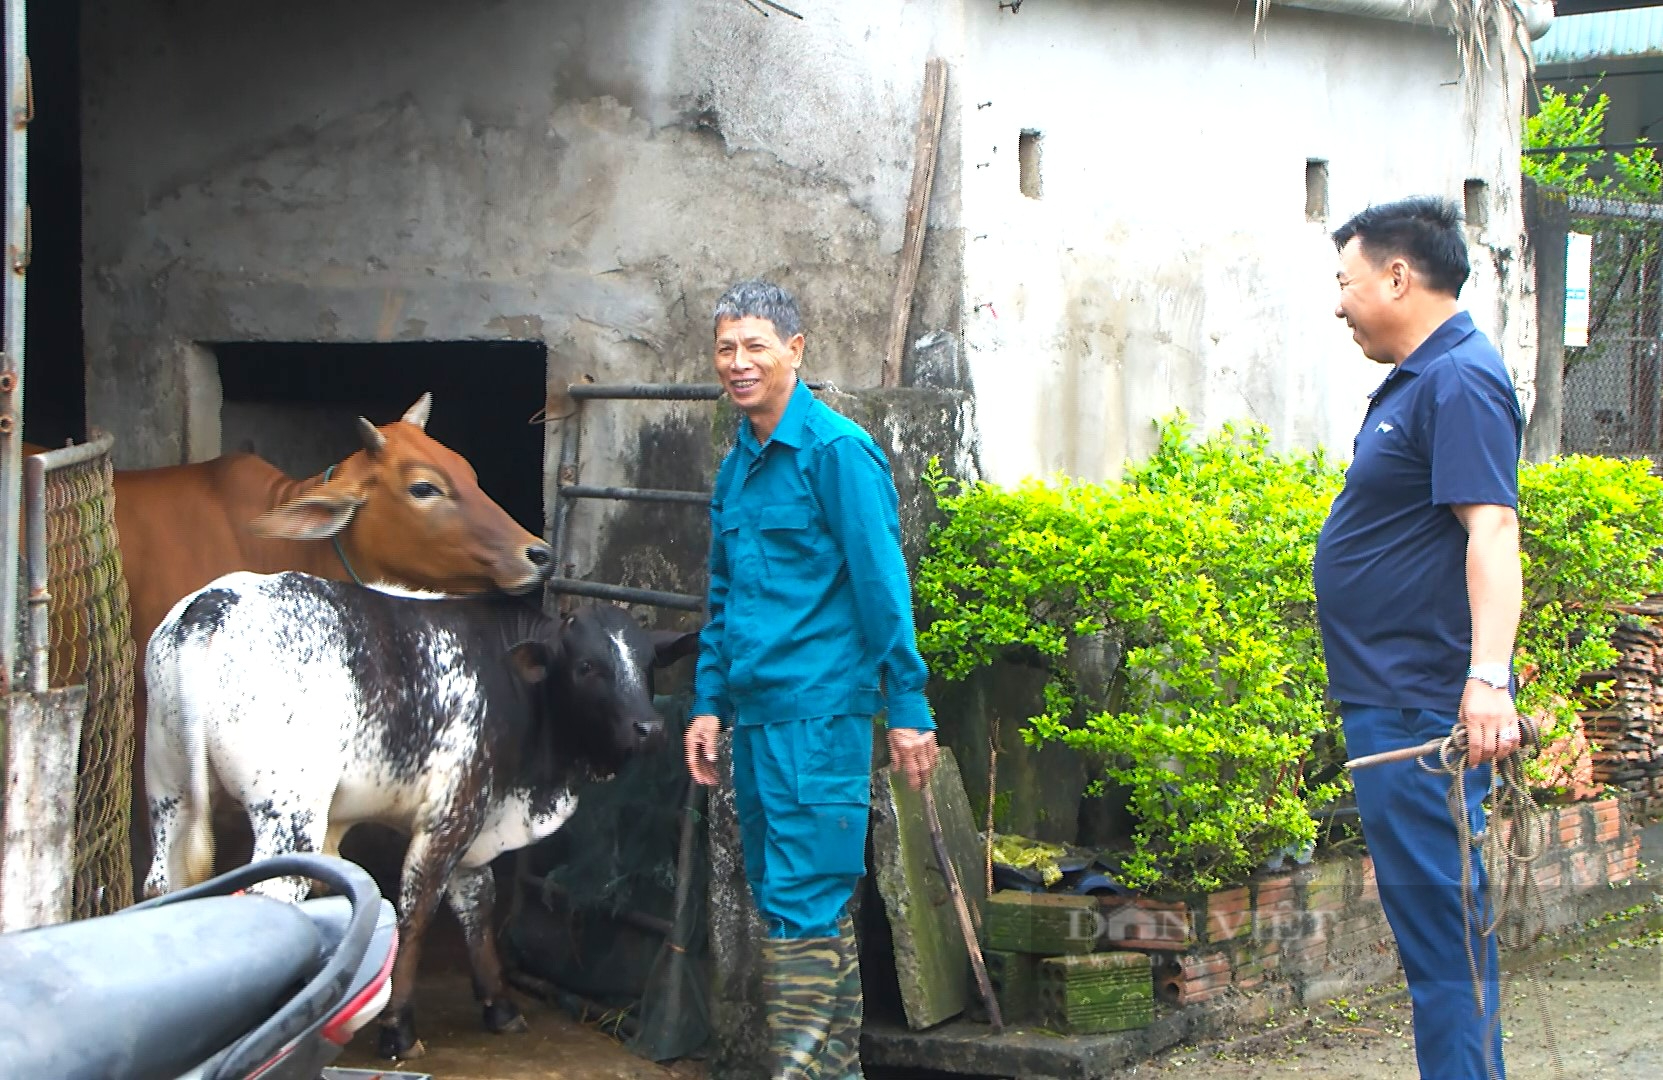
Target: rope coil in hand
<point x="1513" y="909"/>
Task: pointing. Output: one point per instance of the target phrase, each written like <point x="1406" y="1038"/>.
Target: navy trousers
<point x="801" y="789"/>
<point x="1417" y="862"/>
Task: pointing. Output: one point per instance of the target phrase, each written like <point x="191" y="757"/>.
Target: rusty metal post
<point x="39" y="625"/>
<point x="19" y="111"/>
<point x="571" y="450"/>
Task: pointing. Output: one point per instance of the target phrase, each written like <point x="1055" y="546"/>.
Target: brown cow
<point x="405" y="510"/>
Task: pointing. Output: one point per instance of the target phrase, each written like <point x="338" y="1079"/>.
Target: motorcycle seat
<point x="146" y="995"/>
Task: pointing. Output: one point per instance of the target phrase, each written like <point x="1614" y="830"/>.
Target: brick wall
<point x="1321" y="928"/>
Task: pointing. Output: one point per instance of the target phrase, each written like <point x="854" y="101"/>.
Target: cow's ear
<point x="418" y="413"/>
<point x="671" y="645"/>
<point x="532" y="661"/>
<point x="317" y="515"/>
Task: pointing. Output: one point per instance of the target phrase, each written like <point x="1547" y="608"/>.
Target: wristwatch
<point x="1497" y="675"/>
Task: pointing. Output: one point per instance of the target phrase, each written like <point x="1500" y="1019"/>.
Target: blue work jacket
<point x="810" y="608"/>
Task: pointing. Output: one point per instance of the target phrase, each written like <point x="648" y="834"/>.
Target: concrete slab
<point x="966" y="1048"/>
<point x="932" y="963"/>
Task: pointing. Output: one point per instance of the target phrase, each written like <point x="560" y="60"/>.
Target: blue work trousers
<point x="1417" y="862"/>
<point x="802" y="788"/>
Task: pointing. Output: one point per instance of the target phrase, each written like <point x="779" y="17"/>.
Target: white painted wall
<point x="1169" y="264"/>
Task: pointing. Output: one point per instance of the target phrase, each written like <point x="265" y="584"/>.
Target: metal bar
<point x="40" y="630"/>
<point x="583" y="491"/>
<point x="645" y="391"/>
<point x="98" y="445"/>
<point x="571" y="446"/>
<point x="596" y="590"/>
<point x="654" y="391"/>
<point x="18" y="107"/>
<point x="1431" y="746"/>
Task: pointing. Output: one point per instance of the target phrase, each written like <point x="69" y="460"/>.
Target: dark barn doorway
<point x="295" y="404"/>
<point x="54" y="372"/>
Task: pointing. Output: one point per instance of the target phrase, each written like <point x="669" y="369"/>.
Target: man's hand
<point x="700" y="742"/>
<point x="1491" y="721"/>
<point x="913" y="754"/>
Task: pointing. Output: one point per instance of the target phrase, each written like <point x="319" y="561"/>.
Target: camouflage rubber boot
<point x="802" y="979"/>
<point x="843" y="1039"/>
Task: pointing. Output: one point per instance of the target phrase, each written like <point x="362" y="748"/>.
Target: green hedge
<point x="1197" y="564"/>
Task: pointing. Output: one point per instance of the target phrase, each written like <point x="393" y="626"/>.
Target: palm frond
<point x="1483" y="30"/>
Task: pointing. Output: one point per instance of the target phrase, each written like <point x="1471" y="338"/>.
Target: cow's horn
<point x="374" y="441"/>
<point x="418" y="413"/>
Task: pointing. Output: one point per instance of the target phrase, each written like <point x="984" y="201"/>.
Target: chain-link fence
<point x="1613" y="386"/>
<point x="91" y="642"/>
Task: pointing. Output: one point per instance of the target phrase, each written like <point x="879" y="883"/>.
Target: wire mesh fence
<point x="1613" y="386"/>
<point x="91" y="643"/>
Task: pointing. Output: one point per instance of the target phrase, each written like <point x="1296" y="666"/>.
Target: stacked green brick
<point x="1015" y="979"/>
<point x="1080" y="995"/>
<point x="1041" y="923"/>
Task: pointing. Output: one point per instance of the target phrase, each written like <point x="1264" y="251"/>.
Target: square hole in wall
<point x="1316" y="190"/>
<point x="1028" y="152"/>
<point x="296" y="405"/>
<point x="1475" y="204"/>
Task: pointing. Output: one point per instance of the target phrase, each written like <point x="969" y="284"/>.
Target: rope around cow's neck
<point x="1512" y="910"/>
<point x="336" y="540"/>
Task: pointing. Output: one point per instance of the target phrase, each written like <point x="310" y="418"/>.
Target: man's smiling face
<point x="756" y="368"/>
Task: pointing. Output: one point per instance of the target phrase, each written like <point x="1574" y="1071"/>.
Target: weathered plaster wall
<point x="1168" y="262"/>
<point x="588" y="175"/>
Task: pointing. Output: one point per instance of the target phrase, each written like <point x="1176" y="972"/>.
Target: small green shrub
<point x="1589" y="527"/>
<point x="1199" y="563"/>
<point x="1577" y="120"/>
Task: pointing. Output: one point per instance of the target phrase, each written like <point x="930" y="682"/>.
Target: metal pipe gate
<point x="569" y="489"/>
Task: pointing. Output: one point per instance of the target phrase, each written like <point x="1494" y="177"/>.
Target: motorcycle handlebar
<point x="313" y="1004"/>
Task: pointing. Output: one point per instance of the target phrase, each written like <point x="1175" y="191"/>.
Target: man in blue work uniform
<point x="1418" y="593"/>
<point x="810" y="636"/>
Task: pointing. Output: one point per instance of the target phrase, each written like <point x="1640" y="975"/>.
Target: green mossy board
<point x="932" y="964"/>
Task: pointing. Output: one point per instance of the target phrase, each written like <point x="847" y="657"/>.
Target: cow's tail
<point x="178" y="773"/>
<point x="198" y="835"/>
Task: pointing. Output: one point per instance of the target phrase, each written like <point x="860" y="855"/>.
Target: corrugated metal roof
<point x="1603" y="35"/>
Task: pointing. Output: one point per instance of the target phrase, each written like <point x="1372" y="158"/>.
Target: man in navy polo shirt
<point x="1418" y="592"/>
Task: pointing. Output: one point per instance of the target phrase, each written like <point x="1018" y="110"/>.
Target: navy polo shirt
<point x="1443" y="429"/>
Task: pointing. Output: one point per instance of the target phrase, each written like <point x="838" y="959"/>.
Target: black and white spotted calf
<point x="465" y="723"/>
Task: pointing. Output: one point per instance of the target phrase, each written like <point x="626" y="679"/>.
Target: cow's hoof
<point x="398" y="1040"/>
<point x="503" y="1018"/>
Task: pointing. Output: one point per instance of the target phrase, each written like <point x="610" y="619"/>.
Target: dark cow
<point x="466" y="723"/>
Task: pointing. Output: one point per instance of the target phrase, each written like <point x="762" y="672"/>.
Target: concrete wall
<point x="1168" y="262"/>
<point x="587" y="175"/>
<point x="590" y="176"/>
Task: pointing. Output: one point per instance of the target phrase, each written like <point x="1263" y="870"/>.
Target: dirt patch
<point x="556" y="1048"/>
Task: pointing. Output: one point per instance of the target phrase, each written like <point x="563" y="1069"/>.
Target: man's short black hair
<point x="1425" y="230"/>
<point x="762" y="300"/>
